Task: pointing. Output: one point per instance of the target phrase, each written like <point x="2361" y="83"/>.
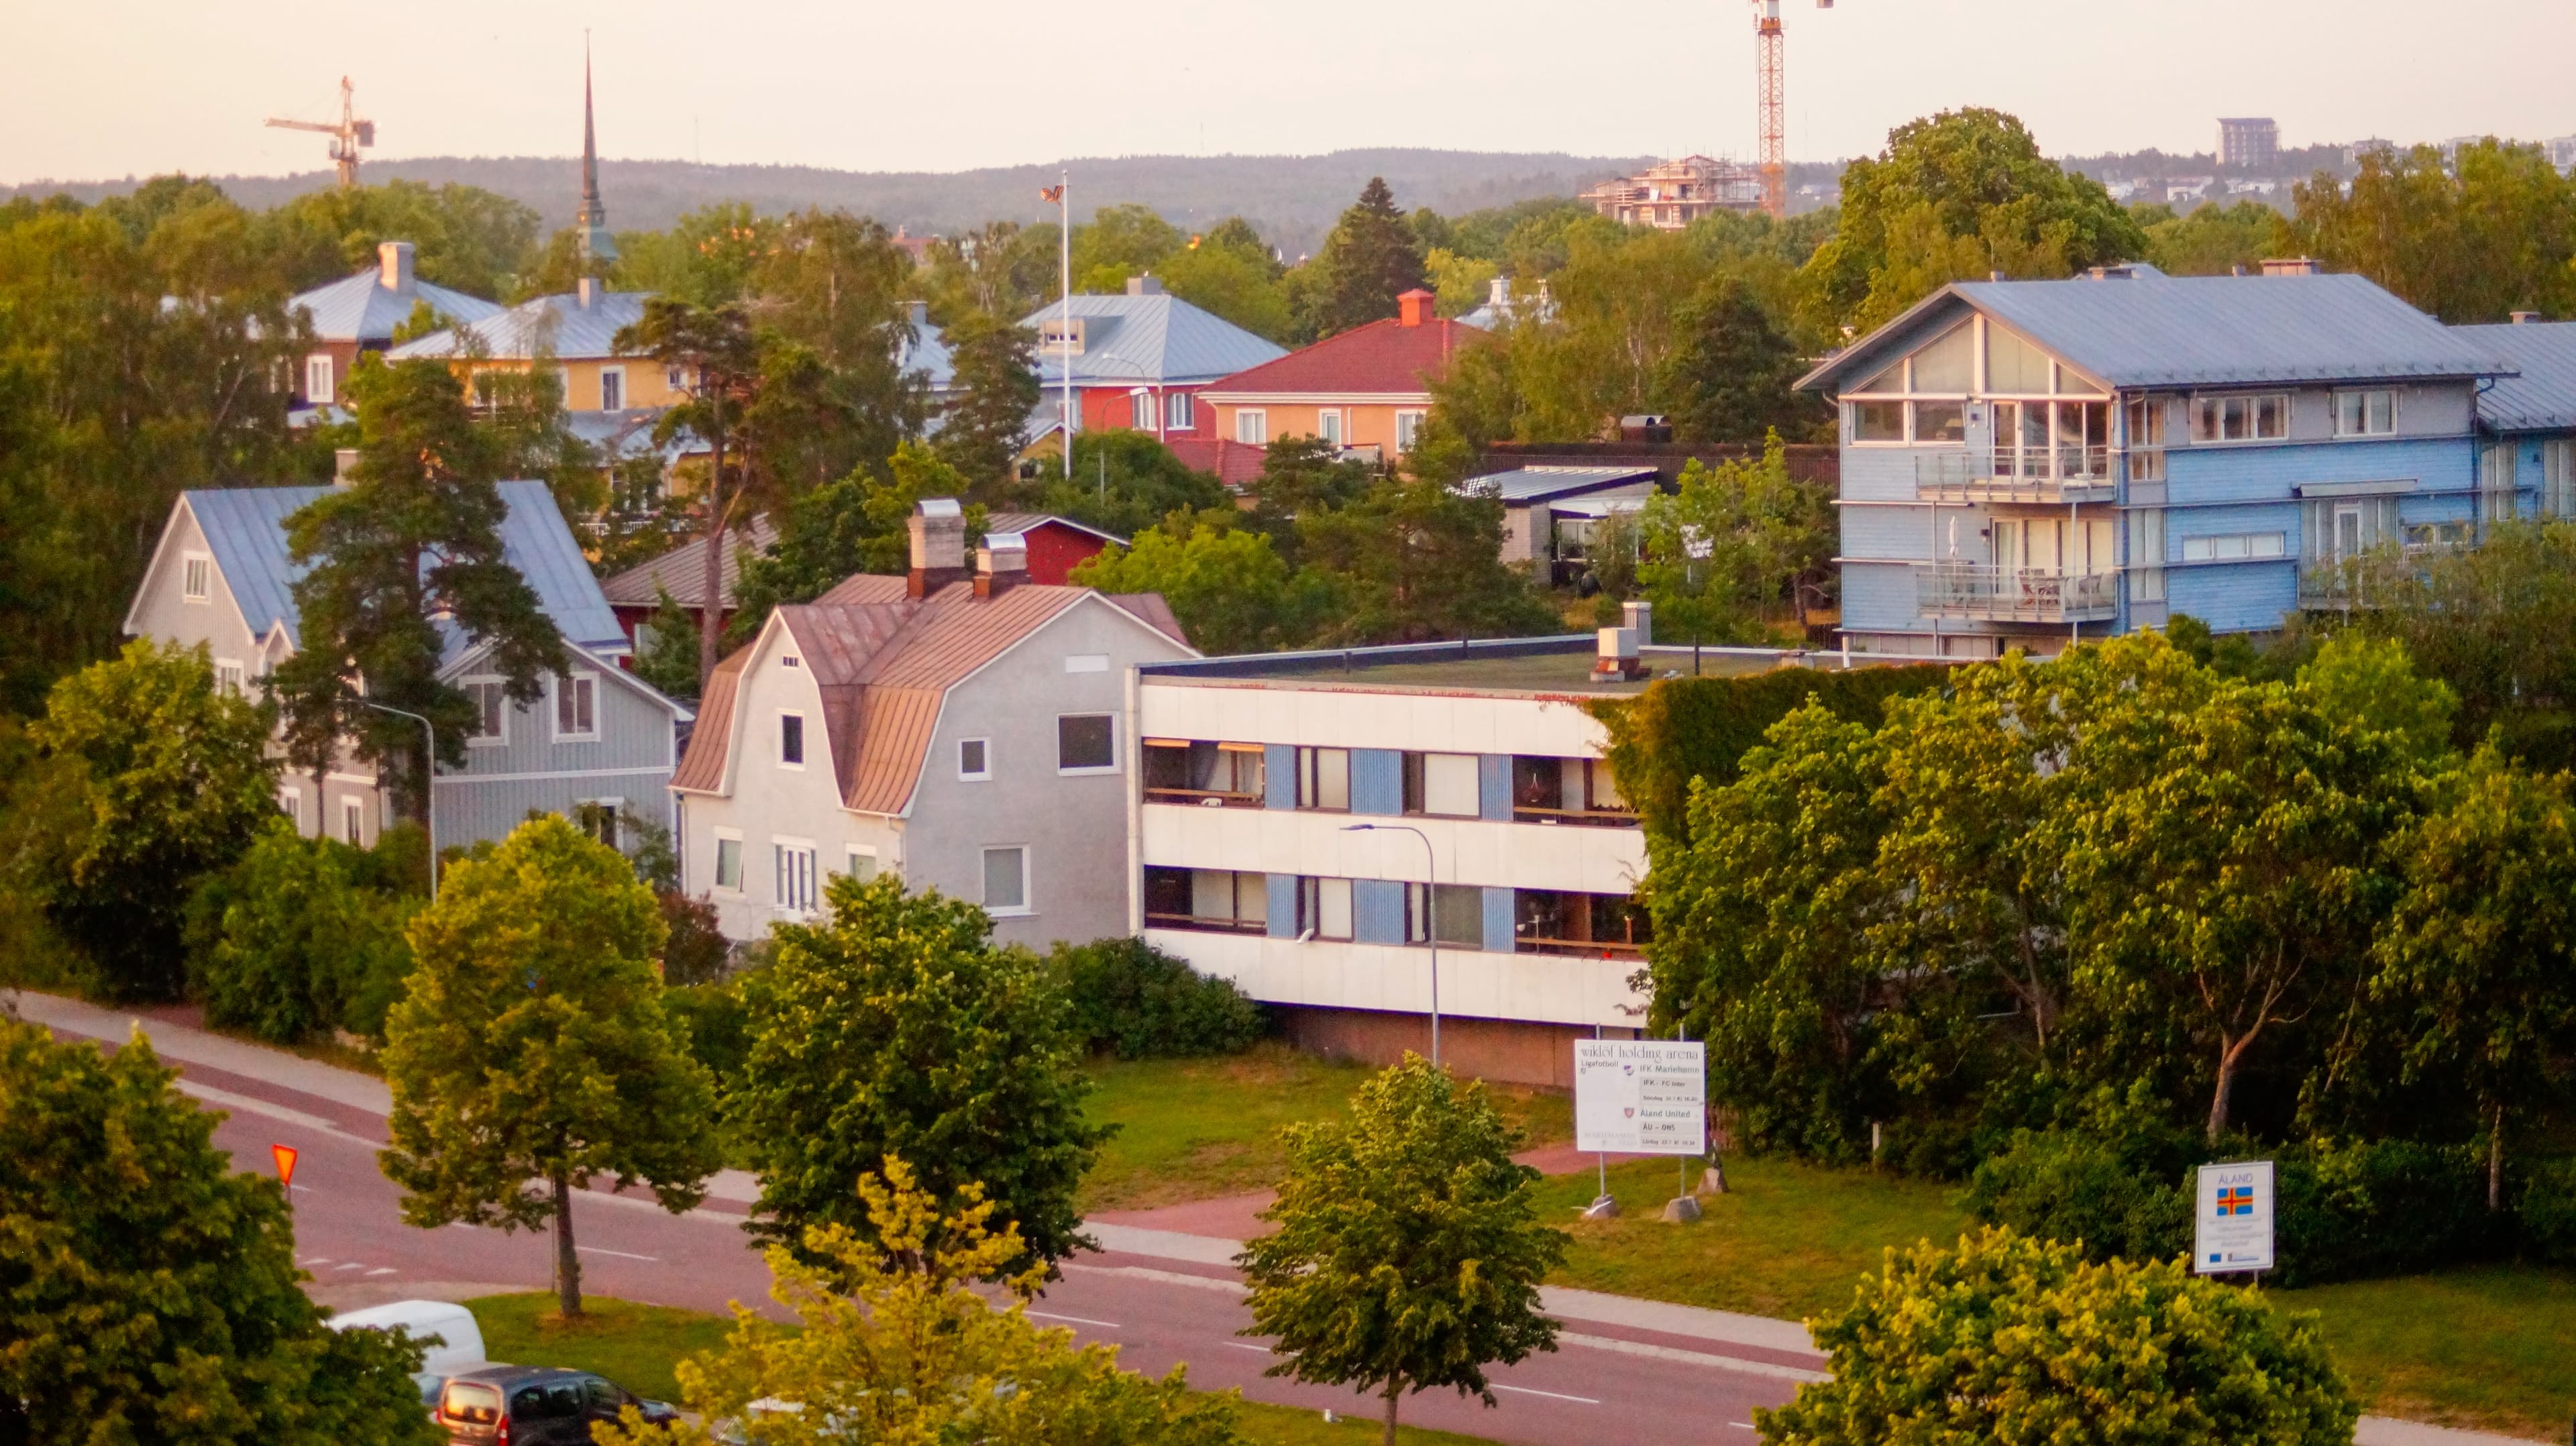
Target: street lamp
<point x="1431" y="915"/>
<point x="428" y="786"/>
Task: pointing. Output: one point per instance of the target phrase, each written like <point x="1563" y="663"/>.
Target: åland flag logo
<point x="2235" y="1200"/>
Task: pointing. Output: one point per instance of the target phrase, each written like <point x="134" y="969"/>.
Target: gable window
<point x="1006" y="880"/>
<point x="1878" y="421"/>
<point x="1324" y="779"/>
<point x="729" y="863"/>
<point x="2365" y="414"/>
<point x="318" y="388"/>
<point x="1252" y="427"/>
<point x="791" y="740"/>
<point x="794" y="864"/>
<point x="2260" y="418"/>
<point x="1180" y="411"/>
<point x="353" y="822"/>
<point x="2015" y="368"/>
<point x="974" y="759"/>
<point x="1947" y="365"/>
<point x="612" y="389"/>
<point x="197" y="578"/>
<point x="228" y="677"/>
<point x="1086" y="743"/>
<point x="1441" y="784"/>
<point x="491" y="700"/>
<point x="576" y="706"/>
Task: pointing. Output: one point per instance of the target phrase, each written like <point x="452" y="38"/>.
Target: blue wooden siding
<point x="2202" y="476"/>
<point x="2236" y="596"/>
<point x="1377" y="781"/>
<point x="1879" y="597"/>
<point x="1498" y="921"/>
<point x="1494" y="787"/>
<point x="1377" y="911"/>
<point x="1279" y="775"/>
<point x="1282" y="901"/>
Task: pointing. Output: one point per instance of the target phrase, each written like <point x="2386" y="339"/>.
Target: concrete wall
<point x="1511" y="1051"/>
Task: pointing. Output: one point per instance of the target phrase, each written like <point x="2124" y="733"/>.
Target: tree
<point x="411" y="547"/>
<point x="1121" y="241"/>
<point x="2469" y="237"/>
<point x="1227" y="585"/>
<point x="857" y="524"/>
<point x="669" y="657"/>
<point x="1303" y="477"/>
<point x="291" y="942"/>
<point x="894" y="1344"/>
<point x="152" y="1294"/>
<point x="1951" y="198"/>
<point x="715" y="351"/>
<point x="532" y="1052"/>
<point x="1724" y="547"/>
<point x="463" y="237"/>
<point x="829" y="302"/>
<point x="1731" y="378"/>
<point x="164" y="779"/>
<point x="897" y="1030"/>
<point x="707" y="257"/>
<point x="1411" y="561"/>
<point x="2478" y="963"/>
<point x="2009" y="1339"/>
<point x="2211" y="240"/>
<point x="1231" y="273"/>
<point x="1125" y="482"/>
<point x="1409" y="1250"/>
<point x="987" y="421"/>
<point x="1370" y="258"/>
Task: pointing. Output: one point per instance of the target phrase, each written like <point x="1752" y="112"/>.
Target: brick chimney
<point x="938" y="546"/>
<point x="1413" y="308"/>
<point x="1001" y="564"/>
<point x="393" y="265"/>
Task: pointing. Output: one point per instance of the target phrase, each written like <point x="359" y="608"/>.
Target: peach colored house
<point x="1367" y="389"/>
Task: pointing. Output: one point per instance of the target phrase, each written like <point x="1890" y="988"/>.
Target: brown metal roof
<point x="701" y="769"/>
<point x="1151" y="610"/>
<point x="865" y="587"/>
<point x="683" y="570"/>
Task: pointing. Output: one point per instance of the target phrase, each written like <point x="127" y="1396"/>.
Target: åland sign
<point x="2234" y="1218"/>
<point x="1641" y="1096"/>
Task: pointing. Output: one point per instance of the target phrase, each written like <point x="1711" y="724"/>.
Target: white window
<point x="1408" y="429"/>
<point x="353" y="822"/>
<point x="1086" y="662"/>
<point x="729" y="862"/>
<point x="1324" y="779"/>
<point x="1324" y="909"/>
<point x="2365" y="414"/>
<point x="228" y="677"/>
<point x="2261" y="418"/>
<point x="577" y="706"/>
<point x="1877" y="422"/>
<point x="794" y="866"/>
<point x="2234" y="546"/>
<point x="612" y="389"/>
<point x="676" y="378"/>
<point x="862" y="863"/>
<point x="2147" y="555"/>
<point x="1223" y="896"/>
<point x="1180" y="411"/>
<point x="1142" y="408"/>
<point x="2558" y="479"/>
<point x="1457" y="911"/>
<point x="2147" y="440"/>
<point x="491" y="699"/>
<point x="1086" y="743"/>
<point x="1328" y="425"/>
<point x="1252" y="427"/>
<point x="2495" y="483"/>
<point x="197" y="578"/>
<point x="1006" y="880"/>
<point x="974" y="759"/>
<point x="598" y="817"/>
<point x="318" y="388"/>
<point x="1441" y="783"/>
<point x="290" y="801"/>
<point x="791" y="740"/>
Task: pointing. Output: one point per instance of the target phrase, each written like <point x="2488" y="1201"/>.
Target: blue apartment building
<point x="2527" y="422"/>
<point x="2031" y="463"/>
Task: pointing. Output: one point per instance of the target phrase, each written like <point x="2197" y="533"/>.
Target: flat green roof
<point x="1566" y="672"/>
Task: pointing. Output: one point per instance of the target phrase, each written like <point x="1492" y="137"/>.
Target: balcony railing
<point x="1579" y="948"/>
<point x="1204" y="797"/>
<point x="2018" y="595"/>
<point x="2043" y="474"/>
<point x="1206" y="924"/>
<point x="1586" y="817"/>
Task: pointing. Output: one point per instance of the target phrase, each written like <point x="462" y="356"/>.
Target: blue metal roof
<point x="2543" y="397"/>
<point x="1543" y="484"/>
<point x="2152" y="330"/>
<point x="927" y="352"/>
<point x="245" y="529"/>
<point x="555" y="326"/>
<point x="1130" y="339"/>
<point x="362" y="308"/>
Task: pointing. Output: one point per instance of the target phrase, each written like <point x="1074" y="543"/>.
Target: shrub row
<point x="1133" y="1000"/>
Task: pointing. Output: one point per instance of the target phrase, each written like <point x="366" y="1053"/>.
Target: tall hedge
<point x="1685" y="728"/>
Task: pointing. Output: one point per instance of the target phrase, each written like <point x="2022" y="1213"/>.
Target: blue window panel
<point x="1377" y="911"/>
<point x="1279" y="762"/>
<point x="1283" y="906"/>
<point x="1498" y="921"/>
<point x="1377" y="781"/>
<point x="1494" y="787"/>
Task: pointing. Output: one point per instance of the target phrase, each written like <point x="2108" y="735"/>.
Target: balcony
<point x="2014" y="595"/>
<point x="2037" y="475"/>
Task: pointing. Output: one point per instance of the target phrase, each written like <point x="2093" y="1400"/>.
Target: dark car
<point x="536" y="1406"/>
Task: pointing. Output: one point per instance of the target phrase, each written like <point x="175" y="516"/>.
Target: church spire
<point x="596" y="246"/>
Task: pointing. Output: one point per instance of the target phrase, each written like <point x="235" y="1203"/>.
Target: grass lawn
<point x="1296" y="1426"/>
<point x="2486" y="1346"/>
<point x="634" y="1345"/>
<point x="1194" y="1129"/>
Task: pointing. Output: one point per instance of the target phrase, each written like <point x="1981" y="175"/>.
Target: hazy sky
<point x="106" y="88"/>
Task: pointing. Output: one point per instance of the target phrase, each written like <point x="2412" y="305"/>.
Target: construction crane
<point x="1771" y="103"/>
<point x="346" y="136"/>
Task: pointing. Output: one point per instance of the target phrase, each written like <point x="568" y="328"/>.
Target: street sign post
<point x="284" y="1156"/>
<point x="2233" y="1219"/>
<point x="1641" y="1096"/>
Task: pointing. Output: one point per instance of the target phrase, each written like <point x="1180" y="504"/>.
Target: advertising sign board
<point x="2233" y="1218"/>
<point x="1641" y="1096"/>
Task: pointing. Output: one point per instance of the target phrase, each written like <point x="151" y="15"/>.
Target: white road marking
<point x="462" y="1225"/>
<point x="1245" y="1346"/>
<point x="301" y="1189"/>
<point x="315" y="1260"/>
<point x="244" y="1104"/>
<point x="1107" y="1325"/>
<point x="352" y="1265"/>
<point x="382" y="1270"/>
<point x="620" y="1254"/>
<point x="1741" y="1425"/>
<point x="1551" y="1395"/>
<point x="1693" y="1358"/>
<point x="1166" y="1277"/>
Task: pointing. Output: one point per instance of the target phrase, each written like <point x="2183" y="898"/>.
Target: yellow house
<point x="576" y="334"/>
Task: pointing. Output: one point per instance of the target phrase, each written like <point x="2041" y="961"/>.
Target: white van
<point x="455" y="1341"/>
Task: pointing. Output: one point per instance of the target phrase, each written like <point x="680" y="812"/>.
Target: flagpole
<point x="1064" y="340"/>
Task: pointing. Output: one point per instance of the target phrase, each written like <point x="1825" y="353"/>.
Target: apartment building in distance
<point x="1305" y="824"/>
<point x="1670" y="196"/>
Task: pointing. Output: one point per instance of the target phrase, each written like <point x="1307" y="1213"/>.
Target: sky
<point x="108" y="88"/>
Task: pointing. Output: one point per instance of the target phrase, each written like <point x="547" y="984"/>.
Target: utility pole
<point x="1064" y="307"/>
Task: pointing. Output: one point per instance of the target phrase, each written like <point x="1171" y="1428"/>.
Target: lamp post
<point x="1431" y="914"/>
<point x="428" y="786"/>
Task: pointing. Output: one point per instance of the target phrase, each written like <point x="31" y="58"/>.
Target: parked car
<point x="455" y="1341"/>
<point x="536" y="1406"/>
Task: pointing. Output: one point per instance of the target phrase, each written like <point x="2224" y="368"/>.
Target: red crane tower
<point x="1771" y="104"/>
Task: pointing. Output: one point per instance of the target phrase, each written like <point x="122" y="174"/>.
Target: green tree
<point x="1121" y="241"/>
<point x="532" y="1052"/>
<point x="1951" y="198"/>
<point x="2008" y="1339"/>
<point x="1416" y="560"/>
<point x="1731" y="377"/>
<point x="858" y="524"/>
<point x="413" y="539"/>
<point x="1303" y="477"/>
<point x="463" y="237"/>
<point x="291" y="942"/>
<point x="163" y="779"/>
<point x="717" y="354"/>
<point x="2468" y="238"/>
<point x="895" y="1029"/>
<point x="1231" y="273"/>
<point x="1124" y="482"/>
<point x="895" y="1344"/>
<point x="1000" y="269"/>
<point x="1730" y="542"/>
<point x="2476" y="970"/>
<point x="986" y="422"/>
<point x="152" y="1294"/>
<point x="2211" y="240"/>
<point x="669" y="658"/>
<point x="1370" y="258"/>
<point x="1227" y="585"/>
<point x="830" y="301"/>
<point x="1409" y="1250"/>
<point x="706" y="257"/>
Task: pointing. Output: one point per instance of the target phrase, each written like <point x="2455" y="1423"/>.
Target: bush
<point x="2112" y="1195"/>
<point x="289" y="943"/>
<point x="2549" y="1212"/>
<point x="696" y="952"/>
<point x="1138" y="1002"/>
<point x="718" y="1021"/>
